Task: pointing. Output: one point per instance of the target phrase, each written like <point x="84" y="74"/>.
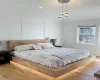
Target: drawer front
<point x="2" y="58"/>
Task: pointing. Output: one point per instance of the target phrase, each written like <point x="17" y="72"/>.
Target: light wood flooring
<point x="11" y="72"/>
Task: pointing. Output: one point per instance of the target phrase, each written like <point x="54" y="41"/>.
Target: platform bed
<point x="53" y="72"/>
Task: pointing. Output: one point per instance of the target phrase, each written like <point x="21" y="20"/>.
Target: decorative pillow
<point x="24" y="47"/>
<point x="45" y="45"/>
<point x="37" y="47"/>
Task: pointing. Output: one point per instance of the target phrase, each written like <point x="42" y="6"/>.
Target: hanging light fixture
<point x="63" y="8"/>
<point x="63" y="1"/>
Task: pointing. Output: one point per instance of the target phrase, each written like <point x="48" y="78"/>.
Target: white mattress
<point x="55" y="57"/>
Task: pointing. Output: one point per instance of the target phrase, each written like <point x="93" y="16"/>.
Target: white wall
<point x="69" y="33"/>
<point x="13" y="16"/>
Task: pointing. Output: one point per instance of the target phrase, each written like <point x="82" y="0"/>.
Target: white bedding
<point x="55" y="57"/>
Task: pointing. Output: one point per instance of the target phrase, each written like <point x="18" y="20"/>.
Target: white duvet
<point x="55" y="57"/>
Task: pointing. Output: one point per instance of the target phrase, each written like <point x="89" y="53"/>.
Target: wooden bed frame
<point x="13" y="43"/>
<point x="53" y="72"/>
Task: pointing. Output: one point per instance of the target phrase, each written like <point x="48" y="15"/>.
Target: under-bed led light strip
<point x="51" y="78"/>
<point x="33" y="71"/>
<point x="77" y="69"/>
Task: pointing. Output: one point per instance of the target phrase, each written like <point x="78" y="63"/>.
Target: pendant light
<point x="63" y="8"/>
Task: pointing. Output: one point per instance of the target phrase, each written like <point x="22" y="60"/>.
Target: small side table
<point x="97" y="75"/>
<point x="5" y="57"/>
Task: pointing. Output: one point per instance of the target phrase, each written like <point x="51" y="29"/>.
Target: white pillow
<point x="24" y="47"/>
<point x="45" y="45"/>
<point x="37" y="47"/>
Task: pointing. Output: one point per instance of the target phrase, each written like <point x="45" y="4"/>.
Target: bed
<point x="53" y="67"/>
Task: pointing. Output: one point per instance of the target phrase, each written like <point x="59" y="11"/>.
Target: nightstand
<point x="58" y="46"/>
<point x="5" y="57"/>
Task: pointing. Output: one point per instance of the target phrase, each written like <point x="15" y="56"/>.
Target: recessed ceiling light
<point x="40" y="7"/>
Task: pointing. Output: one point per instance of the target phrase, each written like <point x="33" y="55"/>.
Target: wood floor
<point x="10" y="72"/>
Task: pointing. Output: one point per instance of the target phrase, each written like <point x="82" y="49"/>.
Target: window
<point x="86" y="35"/>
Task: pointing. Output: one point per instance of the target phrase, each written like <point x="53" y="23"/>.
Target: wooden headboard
<point x="13" y="43"/>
